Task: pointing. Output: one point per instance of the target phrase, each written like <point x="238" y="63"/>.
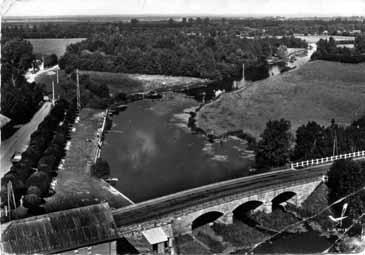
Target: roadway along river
<point x="18" y="142"/>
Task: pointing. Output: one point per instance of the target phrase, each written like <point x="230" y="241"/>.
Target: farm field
<point x="318" y="91"/>
<point x="49" y="46"/>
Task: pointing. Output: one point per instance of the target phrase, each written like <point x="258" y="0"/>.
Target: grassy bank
<point x="132" y="83"/>
<point x="317" y="91"/>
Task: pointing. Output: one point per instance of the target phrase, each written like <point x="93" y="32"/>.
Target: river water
<point x="152" y="152"/>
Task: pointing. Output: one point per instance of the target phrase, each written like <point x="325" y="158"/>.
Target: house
<point x="85" y="230"/>
<point x="158" y="239"/>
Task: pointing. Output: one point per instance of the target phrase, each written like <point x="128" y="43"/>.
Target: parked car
<point x="17" y="156"/>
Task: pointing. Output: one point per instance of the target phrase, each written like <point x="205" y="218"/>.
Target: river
<point x="153" y="152"/>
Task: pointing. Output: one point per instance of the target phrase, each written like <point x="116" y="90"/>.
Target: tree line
<point x="249" y="26"/>
<point x="328" y="50"/>
<point x="32" y="175"/>
<point x="275" y="148"/>
<point x="206" y="54"/>
<point x="19" y="99"/>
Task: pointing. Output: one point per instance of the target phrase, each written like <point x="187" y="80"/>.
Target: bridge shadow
<point x="243" y="214"/>
<point x="281" y="198"/>
<point x="205" y="219"/>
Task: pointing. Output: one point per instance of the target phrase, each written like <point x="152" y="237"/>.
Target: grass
<point x="49" y="46"/>
<point x="318" y="91"/>
<point x="132" y="83"/>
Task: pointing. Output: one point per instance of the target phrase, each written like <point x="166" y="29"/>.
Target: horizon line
<point x="189" y="15"/>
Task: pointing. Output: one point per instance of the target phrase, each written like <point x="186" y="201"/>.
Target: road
<point x="31" y="77"/>
<point x="19" y="141"/>
<point x="163" y="205"/>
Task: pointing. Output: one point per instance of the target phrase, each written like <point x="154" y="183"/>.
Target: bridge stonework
<point x="181" y="221"/>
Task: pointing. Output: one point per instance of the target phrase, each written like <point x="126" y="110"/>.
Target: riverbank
<point x="318" y="91"/>
<point x="133" y="83"/>
<point x="74" y="186"/>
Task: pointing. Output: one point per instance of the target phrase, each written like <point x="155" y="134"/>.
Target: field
<point x="317" y="91"/>
<point x="131" y="83"/>
<point x="50" y="46"/>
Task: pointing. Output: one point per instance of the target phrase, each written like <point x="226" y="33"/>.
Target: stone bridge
<point x="225" y="208"/>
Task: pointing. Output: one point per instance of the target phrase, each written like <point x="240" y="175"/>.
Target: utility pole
<point x="53" y="99"/>
<point x="78" y="90"/>
<point x="57" y="76"/>
<point x="334" y="149"/>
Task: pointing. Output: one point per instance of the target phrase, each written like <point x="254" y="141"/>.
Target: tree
<point x="50" y="60"/>
<point x="309" y="141"/>
<point x="344" y="177"/>
<point x="100" y="169"/>
<point x="273" y="148"/>
<point x="17" y="57"/>
<point x="360" y="44"/>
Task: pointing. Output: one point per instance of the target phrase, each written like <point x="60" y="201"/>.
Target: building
<point x="84" y="230"/>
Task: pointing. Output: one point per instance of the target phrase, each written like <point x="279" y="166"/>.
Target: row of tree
<point x="312" y="141"/>
<point x="31" y="177"/>
<point x="328" y="50"/>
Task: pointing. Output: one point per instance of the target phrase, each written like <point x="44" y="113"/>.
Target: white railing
<point x="100" y="135"/>
<point x="320" y="161"/>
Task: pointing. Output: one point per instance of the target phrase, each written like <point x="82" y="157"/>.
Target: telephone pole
<point x="78" y="90"/>
<point x="53" y="99"/>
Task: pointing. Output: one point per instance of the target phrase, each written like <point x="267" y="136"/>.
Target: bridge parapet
<point x="326" y="160"/>
<point x="182" y="217"/>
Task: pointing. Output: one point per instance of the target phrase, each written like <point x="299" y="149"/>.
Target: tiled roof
<point x="60" y="231"/>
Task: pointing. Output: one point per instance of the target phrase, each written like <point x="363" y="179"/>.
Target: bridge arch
<point x="205" y="218"/>
<point x="246" y="208"/>
<point x="282" y="197"/>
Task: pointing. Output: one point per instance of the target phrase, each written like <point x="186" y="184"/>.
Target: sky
<point x="193" y="7"/>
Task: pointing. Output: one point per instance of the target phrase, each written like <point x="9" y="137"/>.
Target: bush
<point x="39" y="179"/>
<point x="34" y="190"/>
<point x="100" y="169"/>
<point x="50" y="60"/>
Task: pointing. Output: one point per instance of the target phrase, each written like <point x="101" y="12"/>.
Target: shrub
<point x="39" y="179"/>
<point x="100" y="169"/>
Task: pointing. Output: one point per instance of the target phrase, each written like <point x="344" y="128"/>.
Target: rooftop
<point x="60" y="231"/>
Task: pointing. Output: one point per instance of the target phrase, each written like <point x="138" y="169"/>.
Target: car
<point x="17" y="156"/>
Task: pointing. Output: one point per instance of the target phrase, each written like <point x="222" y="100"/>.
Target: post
<point x="57" y="76"/>
<point x="53" y="100"/>
<point x="78" y="90"/>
